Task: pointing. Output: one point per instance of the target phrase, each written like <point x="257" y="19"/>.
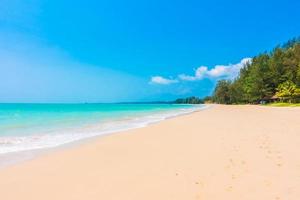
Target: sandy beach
<point x="224" y="152"/>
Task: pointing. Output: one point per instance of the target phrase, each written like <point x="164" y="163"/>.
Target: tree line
<point x="189" y="100"/>
<point x="269" y="76"/>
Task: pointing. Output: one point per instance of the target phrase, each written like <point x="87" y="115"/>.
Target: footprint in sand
<point x="271" y="153"/>
<point x="229" y="189"/>
<point x="279" y="164"/>
<point x="268" y="183"/>
<point x="236" y="168"/>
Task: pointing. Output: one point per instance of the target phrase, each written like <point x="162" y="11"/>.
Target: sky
<point x="75" y="51"/>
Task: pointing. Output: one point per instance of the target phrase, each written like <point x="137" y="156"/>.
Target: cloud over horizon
<point x="219" y="71"/>
<point x="162" y="81"/>
<point x="230" y="71"/>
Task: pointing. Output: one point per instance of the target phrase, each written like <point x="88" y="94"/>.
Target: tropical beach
<point x="149" y="100"/>
<point x="223" y="152"/>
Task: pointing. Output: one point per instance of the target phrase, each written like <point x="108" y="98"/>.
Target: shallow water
<point x="37" y="126"/>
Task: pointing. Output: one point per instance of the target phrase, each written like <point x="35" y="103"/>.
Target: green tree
<point x="189" y="100"/>
<point x="288" y="90"/>
<point x="268" y="74"/>
<point x="222" y="92"/>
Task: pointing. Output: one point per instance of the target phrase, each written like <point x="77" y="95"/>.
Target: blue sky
<point x="108" y="51"/>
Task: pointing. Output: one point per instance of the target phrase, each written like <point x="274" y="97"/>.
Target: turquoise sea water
<point x="35" y="126"/>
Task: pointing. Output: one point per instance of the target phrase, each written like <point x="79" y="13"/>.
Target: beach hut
<point x="270" y="99"/>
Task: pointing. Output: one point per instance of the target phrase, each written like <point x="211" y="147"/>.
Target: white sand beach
<point x="224" y="152"/>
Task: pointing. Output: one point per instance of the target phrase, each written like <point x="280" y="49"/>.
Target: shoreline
<point x="226" y="152"/>
<point x="18" y="157"/>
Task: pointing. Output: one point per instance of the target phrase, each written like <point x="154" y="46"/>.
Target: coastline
<point x="8" y="159"/>
<point x="225" y="152"/>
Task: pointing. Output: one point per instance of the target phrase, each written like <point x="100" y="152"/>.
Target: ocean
<point x="25" y="127"/>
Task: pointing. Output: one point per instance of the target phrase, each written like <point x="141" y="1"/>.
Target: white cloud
<point x="161" y="80"/>
<point x="226" y="71"/>
<point x="187" y="77"/>
<point x="199" y="74"/>
<point x="230" y="71"/>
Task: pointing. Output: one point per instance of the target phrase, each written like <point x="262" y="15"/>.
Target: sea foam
<point x="50" y="139"/>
